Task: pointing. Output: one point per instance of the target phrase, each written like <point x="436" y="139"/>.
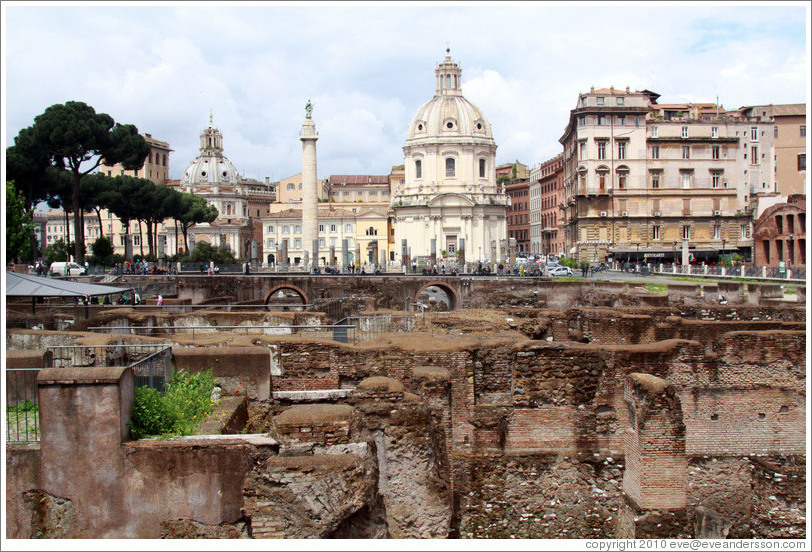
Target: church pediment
<point x="451" y="200"/>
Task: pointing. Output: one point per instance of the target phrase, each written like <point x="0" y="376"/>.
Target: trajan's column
<point x="310" y="223"/>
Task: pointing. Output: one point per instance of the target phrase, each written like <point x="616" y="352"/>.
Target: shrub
<point x="180" y="411"/>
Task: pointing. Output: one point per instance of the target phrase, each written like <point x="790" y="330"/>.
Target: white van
<point x="62" y="268"/>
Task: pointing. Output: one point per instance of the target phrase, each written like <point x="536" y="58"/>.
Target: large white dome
<point x="211" y="166"/>
<point x="448" y="117"/>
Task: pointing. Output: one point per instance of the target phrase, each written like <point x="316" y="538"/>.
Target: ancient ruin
<point x="539" y="410"/>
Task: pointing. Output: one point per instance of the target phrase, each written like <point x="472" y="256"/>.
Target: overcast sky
<point x="368" y="67"/>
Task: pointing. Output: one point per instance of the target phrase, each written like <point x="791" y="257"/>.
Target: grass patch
<point x="659" y="289"/>
<point x="22" y="422"/>
<point x="186" y="404"/>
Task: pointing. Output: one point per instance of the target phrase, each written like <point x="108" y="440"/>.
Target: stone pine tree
<point x="78" y="140"/>
<point x="194" y="210"/>
<point x="19" y="226"/>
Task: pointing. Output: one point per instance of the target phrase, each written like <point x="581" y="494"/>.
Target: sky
<point x="367" y="67"/>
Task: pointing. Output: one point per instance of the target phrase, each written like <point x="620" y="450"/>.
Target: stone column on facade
<point x="308" y="136"/>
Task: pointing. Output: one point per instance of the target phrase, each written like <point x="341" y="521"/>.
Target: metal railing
<point x="22" y="405"/>
<point x="315" y="331"/>
<point x="155" y="370"/>
<point x="60" y="356"/>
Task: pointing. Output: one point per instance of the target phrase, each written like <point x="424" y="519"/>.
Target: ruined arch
<point x="287" y="287"/>
<point x="450" y="291"/>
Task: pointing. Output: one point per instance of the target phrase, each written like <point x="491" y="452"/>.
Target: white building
<point x="449" y="200"/>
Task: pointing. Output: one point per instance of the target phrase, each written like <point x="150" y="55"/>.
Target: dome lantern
<point x="449" y="77"/>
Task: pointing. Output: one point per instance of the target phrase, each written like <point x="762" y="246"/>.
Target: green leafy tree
<point x="102" y="250"/>
<point x="122" y="200"/>
<point x="220" y="255"/>
<point x="93" y="192"/>
<point x="194" y="210"/>
<point x="19" y="225"/>
<point x="57" y="251"/>
<point x="77" y="140"/>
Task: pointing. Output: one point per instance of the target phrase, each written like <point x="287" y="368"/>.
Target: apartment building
<point x="789" y="136"/>
<point x="518" y="215"/>
<point x="660" y="182"/>
<point x="546" y="191"/>
<point x="358" y="188"/>
<point x="155" y="167"/>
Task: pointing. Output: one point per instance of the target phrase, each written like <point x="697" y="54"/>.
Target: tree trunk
<point x="67" y="234"/>
<point x="185" y="230"/>
<point x="78" y="223"/>
<point x="101" y="229"/>
<point x="141" y="239"/>
<point x="176" y="236"/>
<point x="150" y="244"/>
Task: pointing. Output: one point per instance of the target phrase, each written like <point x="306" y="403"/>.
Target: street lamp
<point x="723" y="248"/>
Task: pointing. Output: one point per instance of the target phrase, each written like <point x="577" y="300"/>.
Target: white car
<point x="560" y="271"/>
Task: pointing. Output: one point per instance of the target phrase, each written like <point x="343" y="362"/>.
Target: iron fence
<point x="22" y="405"/>
<point x="155" y="370"/>
<point x="314" y="331"/>
<point x="60" y="356"/>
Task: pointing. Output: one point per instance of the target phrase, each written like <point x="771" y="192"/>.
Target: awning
<point x="24" y="285"/>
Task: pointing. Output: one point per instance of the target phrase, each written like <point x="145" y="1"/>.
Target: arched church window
<point x="450" y="167"/>
<point x="481" y="168"/>
<point x="418" y="169"/>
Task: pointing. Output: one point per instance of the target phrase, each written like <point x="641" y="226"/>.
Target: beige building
<point x="289" y="190"/>
<point x="449" y="199"/>
<point x="659" y="182"/>
<point x="156" y="165"/>
<point x="364" y="228"/>
<point x="789" y="133"/>
<point x="358" y="188"/>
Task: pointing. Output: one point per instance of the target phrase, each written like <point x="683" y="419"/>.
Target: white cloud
<point x="368" y="68"/>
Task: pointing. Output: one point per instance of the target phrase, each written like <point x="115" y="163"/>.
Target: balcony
<point x="593" y="191"/>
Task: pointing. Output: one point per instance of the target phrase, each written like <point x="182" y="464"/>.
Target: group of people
<point x="141" y="267"/>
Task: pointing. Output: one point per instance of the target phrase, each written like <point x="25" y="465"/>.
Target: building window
<point x="801" y="161"/>
<point x="654" y="132"/>
<point x="655" y="232"/>
<point x="601" y="120"/>
<point x="620" y="100"/>
<point x="291" y="186"/>
<point x="418" y="169"/>
<point x="745" y="231"/>
<point x="775" y="132"/>
<point x="297" y="229"/>
<point x="271" y="229"/>
<point x="321" y="228"/>
<point x="686" y="232"/>
<point x="716" y="178"/>
<point x="754" y="155"/>
<point x="297" y="243"/>
<point x="685" y="132"/>
<point x="601" y="150"/>
<point x="803" y="131"/>
<point x="600" y="100"/>
<point x="582" y="121"/>
<point x="450" y="167"/>
<point x="582" y="150"/>
<point x="602" y="179"/>
<point x="714" y="132"/>
<point x="715" y="150"/>
<point x="655" y="152"/>
<point x="348" y="228"/>
<point x="481" y="168"/>
<point x="717" y="232"/>
<point x="686" y="179"/>
<point x="621" y="179"/>
<point x="686" y="152"/>
<point x="621" y="120"/>
<point x="754" y="133"/>
<point x="333" y="228"/>
<point x="621" y="150"/>
<point x="322" y="243"/>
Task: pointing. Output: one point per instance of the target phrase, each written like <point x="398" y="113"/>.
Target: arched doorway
<point x="286" y="297"/>
<point x="438" y="296"/>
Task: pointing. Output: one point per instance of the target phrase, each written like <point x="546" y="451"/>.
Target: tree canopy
<point x="73" y="138"/>
<point x="194" y="210"/>
<point x="19" y="225"/>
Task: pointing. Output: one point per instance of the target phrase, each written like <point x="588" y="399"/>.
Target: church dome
<point x="448" y="116"/>
<point x="211" y="166"/>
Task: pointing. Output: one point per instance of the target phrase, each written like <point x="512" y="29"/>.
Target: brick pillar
<point x="656" y="475"/>
<point x="84" y="416"/>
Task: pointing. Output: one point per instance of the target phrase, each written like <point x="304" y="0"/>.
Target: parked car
<point x="62" y="268"/>
<point x="560" y="271"/>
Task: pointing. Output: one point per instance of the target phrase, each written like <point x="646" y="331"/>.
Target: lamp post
<point x="637" y="258"/>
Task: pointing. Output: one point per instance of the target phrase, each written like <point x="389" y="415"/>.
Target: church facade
<point x="449" y="206"/>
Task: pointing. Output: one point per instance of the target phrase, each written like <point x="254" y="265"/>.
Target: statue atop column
<point x="308" y="109"/>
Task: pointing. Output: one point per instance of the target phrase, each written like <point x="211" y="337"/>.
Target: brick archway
<point x="288" y="287"/>
<point x="453" y="296"/>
